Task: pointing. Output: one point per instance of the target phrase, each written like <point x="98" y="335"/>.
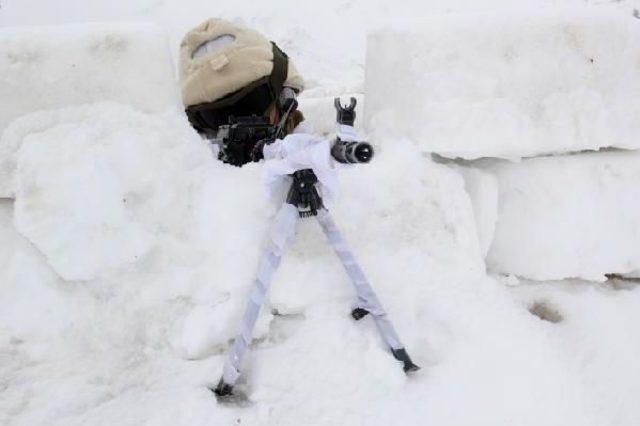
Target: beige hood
<point x="246" y="57"/>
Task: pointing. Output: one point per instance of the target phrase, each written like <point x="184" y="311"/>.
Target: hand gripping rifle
<point x="303" y="200"/>
<point x="241" y="140"/>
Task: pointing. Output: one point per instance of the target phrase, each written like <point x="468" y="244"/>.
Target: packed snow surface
<point x="128" y="254"/>
<point x="508" y="86"/>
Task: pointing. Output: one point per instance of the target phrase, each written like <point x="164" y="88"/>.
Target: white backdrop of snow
<point x="508" y="86"/>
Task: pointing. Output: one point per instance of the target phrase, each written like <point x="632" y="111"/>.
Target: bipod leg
<point x="368" y="302"/>
<point x="280" y="235"/>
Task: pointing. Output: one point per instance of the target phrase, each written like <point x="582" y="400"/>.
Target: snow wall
<point x="541" y="84"/>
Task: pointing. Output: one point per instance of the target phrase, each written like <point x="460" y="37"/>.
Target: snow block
<point x="507" y="86"/>
<point x="568" y="217"/>
<point x="52" y="67"/>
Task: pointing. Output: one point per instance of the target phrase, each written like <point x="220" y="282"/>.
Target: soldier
<point x="236" y="85"/>
<point x="227" y="70"/>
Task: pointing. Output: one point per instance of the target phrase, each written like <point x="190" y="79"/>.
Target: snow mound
<point x="572" y="216"/>
<point x="507" y="86"/>
<point x="51" y="67"/>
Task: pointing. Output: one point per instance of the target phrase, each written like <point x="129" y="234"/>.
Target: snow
<point x="569" y="216"/>
<point x="507" y="85"/>
<point x="129" y="251"/>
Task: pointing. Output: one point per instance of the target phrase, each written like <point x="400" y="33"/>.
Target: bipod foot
<point x="235" y="398"/>
<point x="359" y="313"/>
<point x="223" y="389"/>
<point x="402" y="355"/>
<point x="226" y="394"/>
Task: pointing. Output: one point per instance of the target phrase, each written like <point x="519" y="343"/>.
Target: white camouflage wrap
<point x="300" y="150"/>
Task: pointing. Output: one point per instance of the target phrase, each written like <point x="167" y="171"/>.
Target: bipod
<point x="303" y="201"/>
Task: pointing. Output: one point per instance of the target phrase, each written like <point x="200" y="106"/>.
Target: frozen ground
<point x="128" y="252"/>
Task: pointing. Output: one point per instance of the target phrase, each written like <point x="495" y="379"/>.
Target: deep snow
<point x="128" y="252"/>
